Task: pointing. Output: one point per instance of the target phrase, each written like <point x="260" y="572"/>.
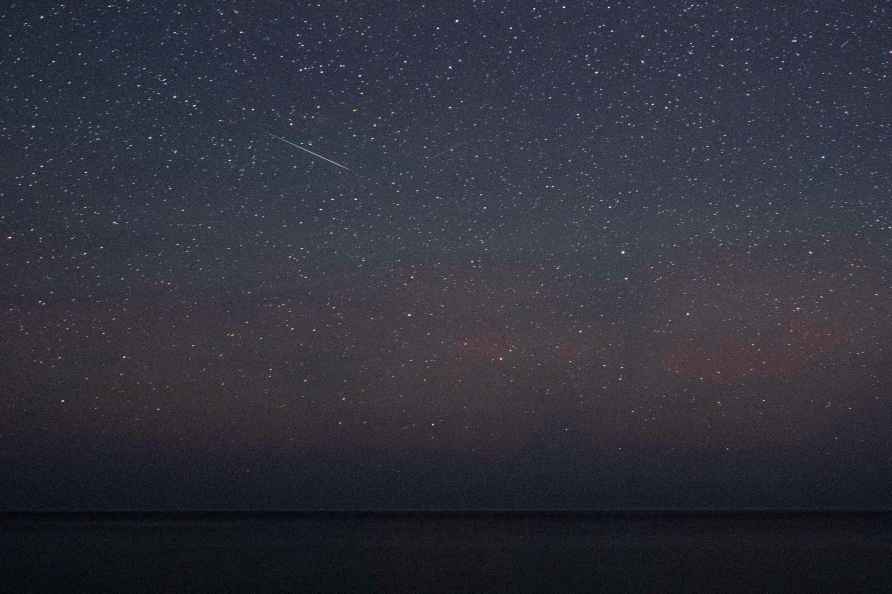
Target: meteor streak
<point x="306" y="150"/>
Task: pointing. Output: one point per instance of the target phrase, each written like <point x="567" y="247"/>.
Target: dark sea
<point x="446" y="552"/>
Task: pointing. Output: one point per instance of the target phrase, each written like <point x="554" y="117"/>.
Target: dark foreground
<point x="447" y="552"/>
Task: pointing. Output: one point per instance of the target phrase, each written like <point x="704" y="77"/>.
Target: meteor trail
<point x="306" y="150"/>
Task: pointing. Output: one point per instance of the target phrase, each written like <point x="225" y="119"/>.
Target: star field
<point x="459" y="254"/>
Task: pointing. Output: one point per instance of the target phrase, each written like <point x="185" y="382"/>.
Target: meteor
<point x="306" y="150"/>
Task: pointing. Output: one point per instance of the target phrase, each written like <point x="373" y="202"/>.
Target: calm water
<point x="448" y="553"/>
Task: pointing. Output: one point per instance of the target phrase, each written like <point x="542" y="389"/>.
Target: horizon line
<point x="445" y="511"/>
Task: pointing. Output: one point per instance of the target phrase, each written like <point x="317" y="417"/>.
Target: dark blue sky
<point x="578" y="255"/>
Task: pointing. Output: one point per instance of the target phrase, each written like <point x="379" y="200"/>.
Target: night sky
<point x="456" y="254"/>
